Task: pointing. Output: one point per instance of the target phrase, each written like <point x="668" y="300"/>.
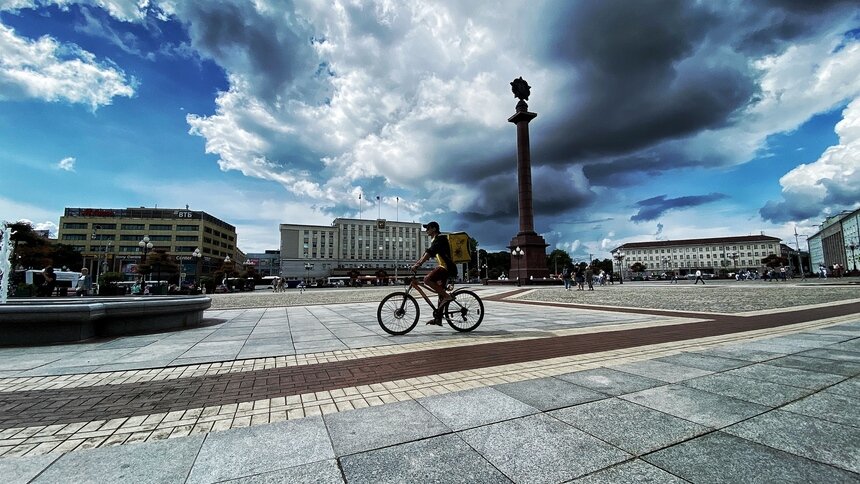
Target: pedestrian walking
<point x="565" y="276"/>
<point x="699" y="277"/>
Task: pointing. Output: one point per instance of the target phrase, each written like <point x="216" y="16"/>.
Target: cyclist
<point x="437" y="279"/>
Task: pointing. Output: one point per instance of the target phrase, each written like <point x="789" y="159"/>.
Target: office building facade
<point x="711" y="255"/>
<point x="266" y="263"/>
<point x="350" y="244"/>
<point x="109" y="238"/>
<point x="836" y="242"/>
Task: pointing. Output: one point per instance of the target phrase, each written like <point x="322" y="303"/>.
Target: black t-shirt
<point x="441" y="250"/>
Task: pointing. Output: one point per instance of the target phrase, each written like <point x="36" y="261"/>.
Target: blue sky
<point x="656" y="119"/>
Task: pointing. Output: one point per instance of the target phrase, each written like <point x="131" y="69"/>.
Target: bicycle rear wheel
<point x="465" y="312"/>
<point x="398" y="313"/>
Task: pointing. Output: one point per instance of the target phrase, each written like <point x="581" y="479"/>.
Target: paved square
<point x="546" y="391"/>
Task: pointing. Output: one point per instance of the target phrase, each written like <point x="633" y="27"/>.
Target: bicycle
<point x="398" y="312"/>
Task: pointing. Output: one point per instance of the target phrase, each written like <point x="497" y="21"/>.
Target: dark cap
<point x="434" y="225"/>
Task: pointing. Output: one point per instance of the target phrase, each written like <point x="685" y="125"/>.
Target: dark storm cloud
<point x="646" y="76"/>
<point x="238" y="36"/>
<point x="652" y="208"/>
<point x="779" y="212"/>
<point x="554" y="192"/>
<point x="640" y="75"/>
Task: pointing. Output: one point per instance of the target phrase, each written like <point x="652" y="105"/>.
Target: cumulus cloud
<point x="653" y="208"/>
<point x="337" y="98"/>
<point x="67" y="163"/>
<point x="45" y="69"/>
<point x="832" y="181"/>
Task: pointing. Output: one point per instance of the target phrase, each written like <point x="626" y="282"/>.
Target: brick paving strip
<point x="63" y="406"/>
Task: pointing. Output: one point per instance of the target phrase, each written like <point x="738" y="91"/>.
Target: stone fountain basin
<point x="60" y="320"/>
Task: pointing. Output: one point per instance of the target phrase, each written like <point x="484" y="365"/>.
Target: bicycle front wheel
<point x="398" y="313"/>
<point x="465" y="312"/>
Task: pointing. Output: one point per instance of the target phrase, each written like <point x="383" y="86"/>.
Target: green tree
<point x="603" y="265"/>
<point x="557" y="259"/>
<point x="774" y="260"/>
<point x="638" y="267"/>
<point x="497" y="263"/>
<point x="32" y="251"/>
<point x="159" y="264"/>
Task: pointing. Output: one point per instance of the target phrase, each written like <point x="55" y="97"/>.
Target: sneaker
<point x="435" y="322"/>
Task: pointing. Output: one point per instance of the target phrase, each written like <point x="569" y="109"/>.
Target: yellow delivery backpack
<point x="460" y="250"/>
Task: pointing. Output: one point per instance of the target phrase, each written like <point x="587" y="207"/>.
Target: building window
<point x="187" y="228"/>
<point x="132" y="226"/>
<point x="74" y="237"/>
<point x="74" y="226"/>
<point x="160" y="227"/>
<point x="160" y="238"/>
<point x="186" y="238"/>
<point x="104" y="226"/>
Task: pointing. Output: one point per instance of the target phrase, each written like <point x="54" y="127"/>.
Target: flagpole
<point x="359" y="206"/>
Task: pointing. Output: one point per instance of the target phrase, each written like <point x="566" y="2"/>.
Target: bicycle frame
<point x="420" y="287"/>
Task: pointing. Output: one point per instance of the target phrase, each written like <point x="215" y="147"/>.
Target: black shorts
<point x="439" y="274"/>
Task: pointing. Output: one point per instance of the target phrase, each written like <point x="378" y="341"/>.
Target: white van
<point x="64" y="278"/>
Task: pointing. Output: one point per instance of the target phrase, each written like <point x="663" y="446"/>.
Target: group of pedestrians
<point x="584" y="277"/>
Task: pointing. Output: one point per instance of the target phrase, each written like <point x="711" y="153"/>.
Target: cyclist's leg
<point x="435" y="280"/>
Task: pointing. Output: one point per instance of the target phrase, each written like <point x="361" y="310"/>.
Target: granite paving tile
<point x="787" y="376"/>
<point x="703" y="362"/>
<point x="366" y="341"/>
<point x="260" y="449"/>
<point x="609" y="381"/>
<point x="539" y="449"/>
<point x="848" y="388"/>
<point x="738" y="352"/>
<point x="318" y="346"/>
<point x="703" y="408"/>
<point x="755" y="391"/>
<point x="322" y="472"/>
<point x="820" y="365"/>
<point x="371" y="428"/>
<point x="829" y="406"/>
<point x="549" y="393"/>
<point x="721" y="458"/>
<point x="139" y="463"/>
<point x="819" y="440"/>
<point x="659" y="370"/>
<point x="446" y="458"/>
<point x="475" y="407"/>
<point x="21" y="470"/>
<point x="28" y="362"/>
<point x="833" y="354"/>
<point x="634" y="471"/>
<point x="631" y="427"/>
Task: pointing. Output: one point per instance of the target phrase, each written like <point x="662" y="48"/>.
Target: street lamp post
<point x="96" y="262"/>
<point x="308" y="267"/>
<point x="145" y="245"/>
<point x="518" y="253"/>
<point x="197" y="256"/>
<point x="619" y="257"/>
<point x="486" y="276"/>
<point x="734" y="256"/>
<point x="853" y="246"/>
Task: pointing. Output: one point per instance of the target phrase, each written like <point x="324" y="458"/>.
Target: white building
<point x="712" y="255"/>
<point x="321" y="251"/>
<point x="833" y="242"/>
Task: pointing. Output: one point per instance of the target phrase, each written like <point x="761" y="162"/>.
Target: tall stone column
<point x="533" y="263"/>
